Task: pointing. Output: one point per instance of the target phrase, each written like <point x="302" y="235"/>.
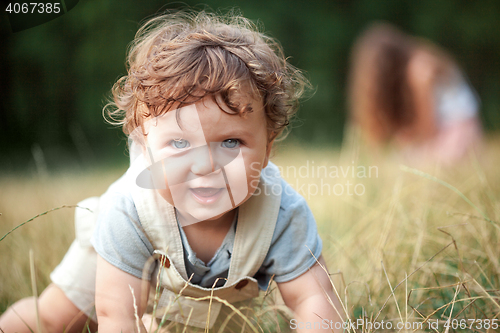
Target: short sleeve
<point x="295" y="242"/>
<point x="118" y="237"/>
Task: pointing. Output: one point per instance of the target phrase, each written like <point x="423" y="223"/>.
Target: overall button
<point x="241" y="284"/>
<point x="164" y="261"/>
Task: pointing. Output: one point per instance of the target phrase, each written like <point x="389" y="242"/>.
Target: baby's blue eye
<point x="180" y="144"/>
<point x="230" y="143"/>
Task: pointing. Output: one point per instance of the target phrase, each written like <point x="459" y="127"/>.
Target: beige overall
<point x="256" y="222"/>
<point x="178" y="300"/>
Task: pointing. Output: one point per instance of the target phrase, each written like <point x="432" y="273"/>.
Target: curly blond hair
<point x="180" y="58"/>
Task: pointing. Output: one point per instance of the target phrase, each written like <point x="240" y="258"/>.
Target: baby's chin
<point x="186" y="218"/>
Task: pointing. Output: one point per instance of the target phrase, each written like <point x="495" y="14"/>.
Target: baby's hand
<point x="307" y="297"/>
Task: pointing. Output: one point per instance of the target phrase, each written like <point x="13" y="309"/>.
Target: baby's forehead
<point x="188" y="116"/>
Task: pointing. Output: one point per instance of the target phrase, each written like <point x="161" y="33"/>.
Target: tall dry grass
<point x="414" y="247"/>
<point x="418" y="246"/>
<point x="25" y="196"/>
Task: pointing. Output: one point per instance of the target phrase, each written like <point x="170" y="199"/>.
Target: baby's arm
<point x="305" y="296"/>
<point x="114" y="301"/>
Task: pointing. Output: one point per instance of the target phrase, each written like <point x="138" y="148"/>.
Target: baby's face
<point x="206" y="162"/>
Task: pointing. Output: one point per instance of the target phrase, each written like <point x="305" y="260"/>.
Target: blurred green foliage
<point x="56" y="77"/>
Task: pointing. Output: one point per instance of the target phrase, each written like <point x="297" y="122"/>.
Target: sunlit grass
<point x="432" y="237"/>
<point x="413" y="247"/>
<point x="22" y="198"/>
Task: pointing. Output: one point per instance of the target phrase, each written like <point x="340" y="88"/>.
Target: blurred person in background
<point x="408" y="93"/>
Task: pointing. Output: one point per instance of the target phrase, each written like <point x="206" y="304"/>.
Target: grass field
<point x="409" y="247"/>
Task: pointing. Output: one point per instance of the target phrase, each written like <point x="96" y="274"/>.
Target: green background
<point x="56" y="77"/>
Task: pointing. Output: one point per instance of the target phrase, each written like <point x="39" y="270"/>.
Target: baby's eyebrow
<point x="237" y="132"/>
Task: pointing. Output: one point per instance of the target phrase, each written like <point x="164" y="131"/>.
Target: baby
<point x="202" y="219"/>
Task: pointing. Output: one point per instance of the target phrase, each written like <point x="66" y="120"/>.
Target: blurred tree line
<point x="55" y="77"/>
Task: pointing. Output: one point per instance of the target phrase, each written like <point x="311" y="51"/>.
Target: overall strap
<point x="158" y="219"/>
<point x="256" y="223"/>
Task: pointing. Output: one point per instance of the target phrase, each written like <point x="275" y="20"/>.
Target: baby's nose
<point x="202" y="162"/>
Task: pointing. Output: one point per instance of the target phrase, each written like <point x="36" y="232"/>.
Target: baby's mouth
<point x="206" y="195"/>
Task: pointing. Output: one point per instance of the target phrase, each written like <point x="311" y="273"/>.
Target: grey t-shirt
<point x="119" y="239"/>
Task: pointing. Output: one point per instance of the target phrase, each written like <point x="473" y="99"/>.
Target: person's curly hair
<point x="180" y="58"/>
<point x="381" y="97"/>
<point x="379" y="93"/>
